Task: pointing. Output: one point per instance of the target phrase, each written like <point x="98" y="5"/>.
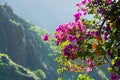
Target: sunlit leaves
<point x="84" y="77"/>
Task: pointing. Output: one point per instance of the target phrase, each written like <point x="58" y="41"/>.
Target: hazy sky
<point x="47" y="14"/>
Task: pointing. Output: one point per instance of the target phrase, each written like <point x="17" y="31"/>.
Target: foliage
<point x="40" y="73"/>
<point x="84" y="77"/>
<point x="14" y="22"/>
<point x="9" y="70"/>
<point x="87" y="44"/>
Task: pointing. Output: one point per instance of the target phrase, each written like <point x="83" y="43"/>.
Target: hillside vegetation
<point x="22" y="42"/>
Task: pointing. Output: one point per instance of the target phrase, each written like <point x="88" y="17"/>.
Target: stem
<point x="109" y="13"/>
<point x="101" y="26"/>
<point x="108" y="61"/>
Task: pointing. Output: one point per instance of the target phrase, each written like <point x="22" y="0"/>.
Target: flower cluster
<point x="71" y="51"/>
<point x="86" y="44"/>
<point x="114" y="76"/>
<point x="76" y="35"/>
<point x="70" y="31"/>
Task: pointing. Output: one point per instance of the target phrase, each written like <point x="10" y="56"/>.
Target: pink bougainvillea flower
<point x="89" y="1"/>
<point x="67" y="51"/>
<point x="108" y="29"/>
<point x="78" y="4"/>
<point x="105" y="36"/>
<point x="46" y="37"/>
<point x="109" y="1"/>
<point x="92" y="65"/>
<point x="92" y="33"/>
<point x="89" y="69"/>
<point x="71" y="38"/>
<point x="63" y="38"/>
<point x="113" y="76"/>
<point x="88" y="61"/>
<point x="84" y="2"/>
<point x="57" y="42"/>
<point x="83" y="68"/>
<point x="84" y="9"/>
<point x="77" y="16"/>
<point x="85" y="13"/>
<point x="81" y="38"/>
<point x="101" y="11"/>
<point x="97" y="33"/>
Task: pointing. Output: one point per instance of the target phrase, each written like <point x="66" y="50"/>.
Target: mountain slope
<point x="23" y="43"/>
<point x="12" y="71"/>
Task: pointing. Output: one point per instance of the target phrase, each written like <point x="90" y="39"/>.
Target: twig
<point x="108" y="61"/>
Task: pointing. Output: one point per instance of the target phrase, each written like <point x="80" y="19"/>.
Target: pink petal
<point x="89" y="69"/>
<point x="46" y="37"/>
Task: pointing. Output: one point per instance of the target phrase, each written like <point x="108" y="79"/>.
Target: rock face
<point x="23" y="43"/>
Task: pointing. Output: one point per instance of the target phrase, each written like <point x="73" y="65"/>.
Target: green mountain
<point x="22" y="42"/>
<point x="9" y="70"/>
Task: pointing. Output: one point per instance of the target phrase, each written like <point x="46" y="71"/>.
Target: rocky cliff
<point x="22" y="42"/>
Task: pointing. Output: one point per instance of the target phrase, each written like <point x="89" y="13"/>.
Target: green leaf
<point x="114" y="30"/>
<point x="59" y="71"/>
<point x="84" y="77"/>
<point x="63" y="69"/>
<point x="59" y="78"/>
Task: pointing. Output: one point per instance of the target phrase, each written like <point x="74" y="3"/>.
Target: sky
<point x="47" y="14"/>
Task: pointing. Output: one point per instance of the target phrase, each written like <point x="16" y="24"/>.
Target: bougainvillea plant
<point x="88" y="43"/>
